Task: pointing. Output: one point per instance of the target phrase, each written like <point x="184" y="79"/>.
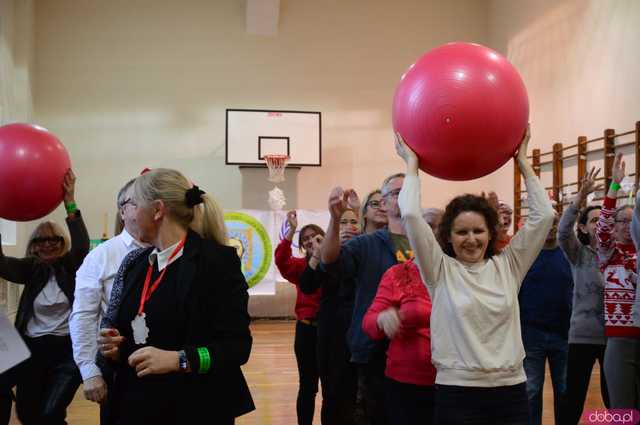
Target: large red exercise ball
<point x="463" y="109"/>
<point x="33" y="163"/>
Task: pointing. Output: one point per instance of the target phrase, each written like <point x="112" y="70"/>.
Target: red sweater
<point x="291" y="268"/>
<point x="618" y="265"/>
<point x="409" y="353"/>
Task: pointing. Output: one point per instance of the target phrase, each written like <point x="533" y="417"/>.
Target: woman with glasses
<point x="48" y="380"/>
<point x="372" y="214"/>
<point x="617" y="259"/>
<point x="94" y="282"/>
<point x="364" y="260"/>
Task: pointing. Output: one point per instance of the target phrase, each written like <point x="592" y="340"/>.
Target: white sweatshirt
<point x="475" y="316"/>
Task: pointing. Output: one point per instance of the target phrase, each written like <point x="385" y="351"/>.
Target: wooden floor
<point x="272" y="376"/>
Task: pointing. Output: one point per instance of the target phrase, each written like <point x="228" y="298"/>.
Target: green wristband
<point x="205" y="360"/>
<point x="71" y="207"/>
<point x="615" y="186"/>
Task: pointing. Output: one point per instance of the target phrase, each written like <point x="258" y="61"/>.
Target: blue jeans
<point x="540" y="345"/>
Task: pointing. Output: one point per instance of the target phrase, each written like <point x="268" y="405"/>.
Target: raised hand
<point x="292" y="220"/>
<point x="492" y="199"/>
<point x="338" y="202"/>
<point x="353" y="201"/>
<point x="588" y="185"/>
<point x="69" y="186"/>
<point x="618" y="171"/>
<point x="316" y="251"/>
<point x="524" y="145"/>
<point x="521" y="157"/>
<point x="408" y="156"/>
<point x="317" y="243"/>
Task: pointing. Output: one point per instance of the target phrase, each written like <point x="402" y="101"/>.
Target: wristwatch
<point x="183" y="364"/>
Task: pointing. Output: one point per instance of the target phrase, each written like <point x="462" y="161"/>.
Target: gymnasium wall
<point x="128" y="85"/>
<point x="16" y="65"/>
<point x="579" y="60"/>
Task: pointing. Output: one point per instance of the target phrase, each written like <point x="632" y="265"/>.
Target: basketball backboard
<point x="251" y="134"/>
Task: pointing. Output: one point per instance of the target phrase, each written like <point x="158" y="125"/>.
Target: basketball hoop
<point x="276" y="165"/>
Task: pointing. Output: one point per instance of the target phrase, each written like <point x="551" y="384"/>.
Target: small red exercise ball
<point x="33" y="163"/>
<point x="463" y="109"/>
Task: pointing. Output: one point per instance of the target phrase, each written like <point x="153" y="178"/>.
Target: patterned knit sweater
<point x="618" y="264"/>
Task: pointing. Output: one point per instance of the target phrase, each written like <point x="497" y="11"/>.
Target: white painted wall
<point x="128" y="85"/>
<point x="16" y="64"/>
<point x="580" y="62"/>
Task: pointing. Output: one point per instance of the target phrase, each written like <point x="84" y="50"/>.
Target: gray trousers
<point x="622" y="369"/>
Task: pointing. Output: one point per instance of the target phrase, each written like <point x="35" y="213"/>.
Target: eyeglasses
<point x="128" y="201"/>
<point x="373" y="204"/>
<point x="625" y="221"/>
<point x="394" y="193"/>
<point x="49" y="239"/>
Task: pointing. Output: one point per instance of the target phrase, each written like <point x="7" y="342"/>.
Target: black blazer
<point x="214" y="292"/>
<point x="34" y="273"/>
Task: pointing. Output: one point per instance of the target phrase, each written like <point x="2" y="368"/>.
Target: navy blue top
<point x="546" y="293"/>
<point x="364" y="258"/>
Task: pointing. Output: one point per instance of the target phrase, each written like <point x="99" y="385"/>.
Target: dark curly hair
<point x="465" y="203"/>
<point x="584" y="238"/>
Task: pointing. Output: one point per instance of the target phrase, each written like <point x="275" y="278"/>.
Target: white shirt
<point x="94" y="280"/>
<point x="475" y="317"/>
<point x="50" y="311"/>
<point x="163" y="256"/>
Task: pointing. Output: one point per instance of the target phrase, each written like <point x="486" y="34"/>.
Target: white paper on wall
<point x="8" y="232"/>
<point x="256" y="233"/>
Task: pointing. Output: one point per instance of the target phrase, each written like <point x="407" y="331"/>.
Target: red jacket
<point x="291" y="268"/>
<point x="409" y="353"/>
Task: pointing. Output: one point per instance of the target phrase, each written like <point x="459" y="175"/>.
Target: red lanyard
<point x="146" y="291"/>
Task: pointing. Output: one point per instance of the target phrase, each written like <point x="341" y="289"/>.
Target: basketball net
<point x="276" y="165"/>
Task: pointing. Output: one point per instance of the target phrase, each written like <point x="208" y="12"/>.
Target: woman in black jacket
<point x="178" y="326"/>
<point x="48" y="380"/>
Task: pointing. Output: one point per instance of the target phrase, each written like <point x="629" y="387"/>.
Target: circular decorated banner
<point x="253" y="244"/>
